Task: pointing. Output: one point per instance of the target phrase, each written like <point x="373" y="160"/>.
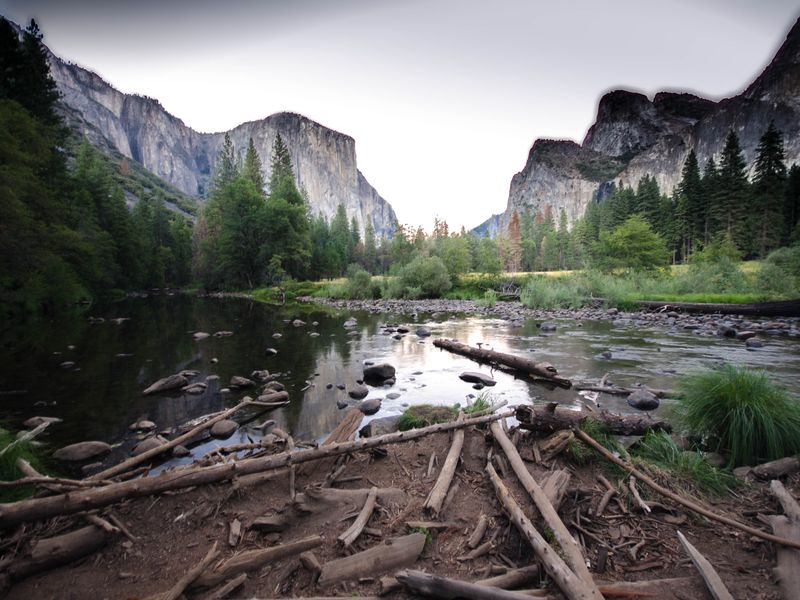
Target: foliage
<point x="8" y="465"/>
<point x="422" y="415"/>
<point x="583" y="454"/>
<point x="633" y="246"/>
<point x="739" y="412"/>
<point x="552" y="292"/>
<point x="423" y="277"/>
<point x="482" y="402"/>
<point x="689" y="470"/>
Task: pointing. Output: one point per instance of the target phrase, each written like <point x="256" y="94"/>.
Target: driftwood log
<point x="176" y="591"/>
<point x="435" y="500"/>
<point x="512" y="579"/>
<point x="541" y="370"/>
<point x="787" y="571"/>
<point x="32" y="509"/>
<point x="571" y="551"/>
<point x="134" y="461"/>
<point x="345" y="431"/>
<point x="690" y="504"/>
<point x="707" y="571"/>
<point x="59" y="550"/>
<point x="441" y="587"/>
<point x="352" y="533"/>
<point x="573" y="587"/>
<point x="388" y="556"/>
<point x="547" y="420"/>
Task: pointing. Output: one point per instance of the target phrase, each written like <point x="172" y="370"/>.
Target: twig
<point x="352" y="533"/>
<point x="638" y="499"/>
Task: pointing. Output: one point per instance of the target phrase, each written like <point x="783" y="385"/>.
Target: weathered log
<point x="127" y="465"/>
<point x="637" y="499"/>
<point x="254" y="559"/>
<point x="59" y="550"/>
<point x="572" y="552"/>
<point x="610" y="491"/>
<point x="343" y="432"/>
<point x="554" y="486"/>
<point x="310" y="561"/>
<point x="388" y="556"/>
<point x="787" y="571"/>
<point x="553" y="444"/>
<point x="615" y="390"/>
<point x="41" y="508"/>
<point x="316" y="499"/>
<point x="780" y="467"/>
<point x="590" y="441"/>
<point x="176" y="591"/>
<point x="516" y="363"/>
<point x="512" y="579"/>
<point x="777" y="308"/>
<point x="707" y="572"/>
<point x="223" y="591"/>
<point x="478" y="532"/>
<point x="352" y="533"/>
<point x="433" y="504"/>
<point x="568" y="582"/>
<point x="442" y="587"/>
<point x="535" y="418"/>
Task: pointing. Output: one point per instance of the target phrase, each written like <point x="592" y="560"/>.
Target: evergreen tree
<point x="340" y="239"/>
<point x="710" y="182"/>
<point x="769" y="185"/>
<point x="37" y="87"/>
<point x="370" y="248"/>
<point x="691" y="206"/>
<point x="648" y="199"/>
<point x="791" y="205"/>
<point x="226" y="170"/>
<point x="252" y="166"/>
<point x="281" y="169"/>
<point x="729" y="205"/>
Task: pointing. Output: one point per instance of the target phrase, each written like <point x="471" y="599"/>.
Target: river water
<point x="144" y="339"/>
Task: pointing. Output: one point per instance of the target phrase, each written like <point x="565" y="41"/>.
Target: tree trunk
<point x="59" y="550"/>
<point x="516" y="363"/>
<point x="437" y="495"/>
<point x="387" y="556"/>
<point x="442" y="587"/>
<point x="543" y="420"/>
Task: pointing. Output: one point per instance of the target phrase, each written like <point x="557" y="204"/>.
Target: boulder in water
<point x="643" y="400"/>
<point x="165" y="384"/>
<point x="370" y="407"/>
<point x="224" y="428"/>
<point x="358" y="392"/>
<point x="82" y="451"/>
<point x="379" y="373"/>
<point x="476" y="377"/>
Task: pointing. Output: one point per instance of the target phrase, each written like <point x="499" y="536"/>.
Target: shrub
<point x="552" y="292"/>
<point x="8" y="465"/>
<point x="633" y="245"/>
<point x="424" y="277"/>
<point x="359" y="284"/>
<point x="741" y="413"/>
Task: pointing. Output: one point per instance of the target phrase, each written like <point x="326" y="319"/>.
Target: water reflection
<point x="115" y="360"/>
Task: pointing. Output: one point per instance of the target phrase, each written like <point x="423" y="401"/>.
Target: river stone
<point x="82" y="451"/>
<point x="370" y="406"/>
<point x="298" y="323"/>
<point x="643" y="400"/>
<point x="726" y="330"/>
<point x="172" y="382"/>
<point x="34" y="422"/>
<point x="313" y="334"/>
<point x="606" y="354"/>
<point x="143" y="425"/>
<point x="350" y="323"/>
<point x="380" y="426"/>
<point x="240" y="382"/>
<point x="224" y="428"/>
<point x="194" y="388"/>
<point x="476" y="377"/>
<point x="277" y="336"/>
<point x="547" y="326"/>
<point x="67" y="364"/>
<point x="148" y="444"/>
<point x="745" y="335"/>
<point x="221" y="334"/>
<point x="273" y="386"/>
<point x="358" y="391"/>
<point x="423" y="332"/>
<point x="261" y="375"/>
<point x="201" y="335"/>
<point x="392" y="396"/>
<point x="403" y="329"/>
<point x="379" y="373"/>
<point x="270" y="352"/>
<point x="180" y="451"/>
<point x="754" y="342"/>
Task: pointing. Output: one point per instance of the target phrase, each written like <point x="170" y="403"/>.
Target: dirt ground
<point x="175" y="531"/>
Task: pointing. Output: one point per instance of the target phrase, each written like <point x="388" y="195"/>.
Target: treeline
<point x="66" y="234"/>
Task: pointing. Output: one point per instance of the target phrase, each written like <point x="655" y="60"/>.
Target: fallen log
<point x="787" y="571"/>
<point x="223" y="591"/>
<point x="777" y="308"/>
<point x="127" y="465"/>
<point x="344" y="432"/>
<point x="352" y="533"/>
<point x="572" y="552"/>
<point x="516" y="363"/>
<point x="176" y="591"/>
<point x="253" y="559"/>
<point x="619" y="391"/>
<point x="442" y="587"/>
<point x="59" y="550"/>
<point x="590" y="441"/>
<point x="554" y="486"/>
<point x="707" y="572"/>
<point x="478" y="532"/>
<point x="512" y="579"/>
<point x="543" y="420"/>
<point x="387" y="556"/>
<point x="32" y="509"/>
<point x="573" y="587"/>
<point x="433" y="504"/>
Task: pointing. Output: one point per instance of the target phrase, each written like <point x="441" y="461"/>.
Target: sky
<point x="443" y="97"/>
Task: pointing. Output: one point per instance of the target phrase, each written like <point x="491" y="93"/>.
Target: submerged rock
<point x="238" y="382"/>
<point x="358" y="392"/>
<point x="371" y="406"/>
<point x="476" y="377"/>
<point x="34" y="422"/>
<point x="200" y="335"/>
<point x="423" y="332"/>
<point x="148" y="444"/>
<point x="82" y="451"/>
<point x="547" y="326"/>
<point x="643" y="400"/>
<point x="379" y="373"/>
<point x="165" y="384"/>
<point x="142" y="425"/>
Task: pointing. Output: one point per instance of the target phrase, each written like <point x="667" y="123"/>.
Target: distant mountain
<point x="634" y="136"/>
<point x="140" y="129"/>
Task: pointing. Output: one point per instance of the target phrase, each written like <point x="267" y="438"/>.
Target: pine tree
<point x="691" y="207"/>
<point x="340" y="239"/>
<point x="769" y="185"/>
<point x="730" y="198"/>
<point x="648" y="198"/>
<point x="37" y="89"/>
<point x="280" y="165"/>
<point x="791" y="205"/>
<point x="710" y="182"/>
<point x="370" y="249"/>
<point x="252" y="166"/>
<point x="226" y="170"/>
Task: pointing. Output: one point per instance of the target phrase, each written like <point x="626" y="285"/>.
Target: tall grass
<point x="8" y="466"/>
<point x="739" y="412"/>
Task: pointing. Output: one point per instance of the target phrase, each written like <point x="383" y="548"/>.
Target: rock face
<point x="634" y="136"/>
<point x="140" y="129"/>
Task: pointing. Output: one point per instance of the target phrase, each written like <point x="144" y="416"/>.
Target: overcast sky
<point x="443" y="97"/>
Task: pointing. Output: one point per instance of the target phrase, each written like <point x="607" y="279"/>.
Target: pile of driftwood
<point x="44" y="525"/>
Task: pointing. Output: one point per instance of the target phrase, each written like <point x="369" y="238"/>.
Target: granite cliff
<point x="141" y="129"/>
<point x="634" y="136"/>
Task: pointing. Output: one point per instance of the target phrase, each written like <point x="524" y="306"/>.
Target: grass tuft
<point x="740" y="413"/>
<point x="8" y="466"/>
<point x="422" y="415"/>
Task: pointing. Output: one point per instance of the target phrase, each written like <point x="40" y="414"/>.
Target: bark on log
<point x="572" y="552"/>
<point x="32" y="509"/>
<point x="59" y="550"/>
<point x="707" y="572"/>
<point x="254" y="559"/>
<point x="345" y="431"/>
<point x="535" y="418"/>
<point x="126" y="465"/>
<point x="324" y="499"/>
<point x="433" y="504"/>
<point x="441" y="587"/>
<point x="787" y="571"/>
<point x="570" y="584"/>
<point x="516" y="363"/>
<point x="680" y="499"/>
<point x="554" y="486"/>
<point x="223" y="591"/>
<point x="387" y="556"/>
<point x="512" y="579"/>
<point x="352" y="533"/>
<point x="478" y="532"/>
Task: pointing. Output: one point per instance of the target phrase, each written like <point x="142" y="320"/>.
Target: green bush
<point x="739" y="412"/>
<point x="8" y="466"/>
<point x="633" y="246"/>
<point x="359" y="284"/>
<point x="552" y="292"/>
<point x="423" y="277"/>
<point x="422" y="415"/>
<point x="781" y="271"/>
